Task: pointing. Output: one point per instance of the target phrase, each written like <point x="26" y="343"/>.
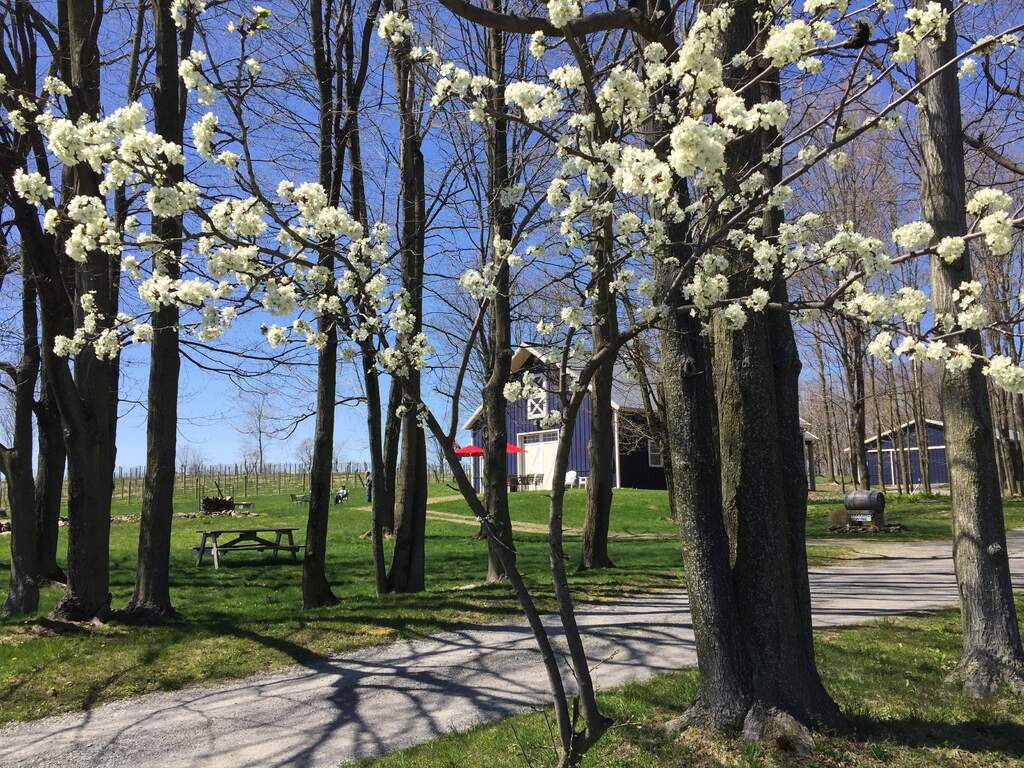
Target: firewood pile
<point x="213" y="504"/>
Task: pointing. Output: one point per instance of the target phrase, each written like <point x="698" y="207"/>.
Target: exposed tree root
<point x="72" y="609"/>
<point x="147" y="614"/>
<point x="982" y="673"/>
<point x="778" y="728"/>
<point x="759" y="722"/>
<point x="22" y="600"/>
<point x="718" y="716"/>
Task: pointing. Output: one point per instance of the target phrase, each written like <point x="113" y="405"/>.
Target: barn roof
<point x="874" y="438"/>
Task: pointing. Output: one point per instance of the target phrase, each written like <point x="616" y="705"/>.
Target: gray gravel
<point x="387" y="698"/>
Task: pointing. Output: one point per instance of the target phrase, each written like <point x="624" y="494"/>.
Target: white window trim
<point x="538" y="409"/>
<point x="651" y="454"/>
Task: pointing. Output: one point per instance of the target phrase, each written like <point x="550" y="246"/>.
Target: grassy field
<point x="925" y="517"/>
<point x="887" y="677"/>
<point x="246" y="617"/>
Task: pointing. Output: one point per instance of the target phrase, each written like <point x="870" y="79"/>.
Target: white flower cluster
<point x="913" y="236"/>
<point x="995" y="224"/>
<point x="929" y="22"/>
<point x="394" y="27"/>
<point x="31" y="187"/>
<point x="528" y="387"/>
<point x="537" y="101"/>
<point x="181" y="8"/>
<point x="791" y="42"/>
<point x="561" y="12"/>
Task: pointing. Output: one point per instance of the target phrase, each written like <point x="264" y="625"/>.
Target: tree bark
<point x="316" y="589"/>
<point x="49" y="488"/>
<point x="856" y="403"/>
<point x="91" y="422"/>
<point x="601" y="448"/>
<point x="992" y="652"/>
<point x="16" y="462"/>
<point x="495" y="459"/>
<point x="407" y="562"/>
<point x="151" y="600"/>
<point x="758" y="642"/>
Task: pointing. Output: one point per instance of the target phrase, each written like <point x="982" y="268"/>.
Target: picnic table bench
<point x="300" y="498"/>
<point x="245" y="539"/>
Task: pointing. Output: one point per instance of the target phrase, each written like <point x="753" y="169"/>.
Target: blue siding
<point x="892" y="471"/>
<point x="517" y="423"/>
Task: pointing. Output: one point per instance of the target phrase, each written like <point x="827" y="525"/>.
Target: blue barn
<point x="887" y="446"/>
<point x="638" y="462"/>
<point x="938" y="468"/>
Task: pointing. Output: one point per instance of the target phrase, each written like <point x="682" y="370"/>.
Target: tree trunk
<point x="151" y="600"/>
<point x="90" y="436"/>
<point x="992" y="652"/>
<point x="49" y="488"/>
<point x="392" y="444"/>
<point x="760" y="638"/>
<point x="602" y="447"/>
<point x="16" y="462"/>
<point x="407" y="562"/>
<point x="856" y="404"/>
<point x="495" y="459"/>
<point x="920" y="425"/>
<point x="316" y="589"/>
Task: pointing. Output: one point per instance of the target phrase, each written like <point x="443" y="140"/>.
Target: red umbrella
<point x="469" y="450"/>
<point x="509" y="448"/>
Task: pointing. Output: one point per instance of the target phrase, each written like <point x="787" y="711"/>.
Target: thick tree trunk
<point x="49" y="489"/>
<point x="407" y="559"/>
<point x="391" y="446"/>
<point x="992" y="652"/>
<point x="316" y="589"/>
<point x="407" y="562"/>
<point x="601" y="449"/>
<point x="151" y="600"/>
<point x="16" y="463"/>
<point x="724" y="695"/>
<point x="90" y="435"/>
<point x="856" y="404"/>
<point x="382" y="511"/>
<point x="495" y="459"/>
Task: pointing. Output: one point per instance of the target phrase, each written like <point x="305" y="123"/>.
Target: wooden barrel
<point x="873" y="501"/>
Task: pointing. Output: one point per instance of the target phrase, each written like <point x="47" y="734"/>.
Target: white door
<point x="539" y="458"/>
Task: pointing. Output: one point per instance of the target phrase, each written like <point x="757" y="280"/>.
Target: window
<point x="537" y="407"/>
<point x="654" y="457"/>
<point x="531" y="438"/>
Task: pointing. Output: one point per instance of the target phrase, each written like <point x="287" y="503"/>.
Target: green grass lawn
<point x="887" y="676"/>
<point x="246" y="617"/>
<point x="925" y="517"/>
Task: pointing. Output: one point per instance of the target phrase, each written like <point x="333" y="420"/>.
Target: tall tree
<point x="499" y="347"/>
<point x="407" y="562"/>
<point x="316" y="590"/>
<point x="151" y="599"/>
<point x="992" y="652"/>
<point x="50" y="460"/>
<point x="16" y="461"/>
<point x="602" y="446"/>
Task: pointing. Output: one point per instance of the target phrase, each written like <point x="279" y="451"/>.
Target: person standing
<point x="368" y="482"/>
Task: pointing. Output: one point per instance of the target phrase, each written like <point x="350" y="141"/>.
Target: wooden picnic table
<point x="245" y="539"/>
